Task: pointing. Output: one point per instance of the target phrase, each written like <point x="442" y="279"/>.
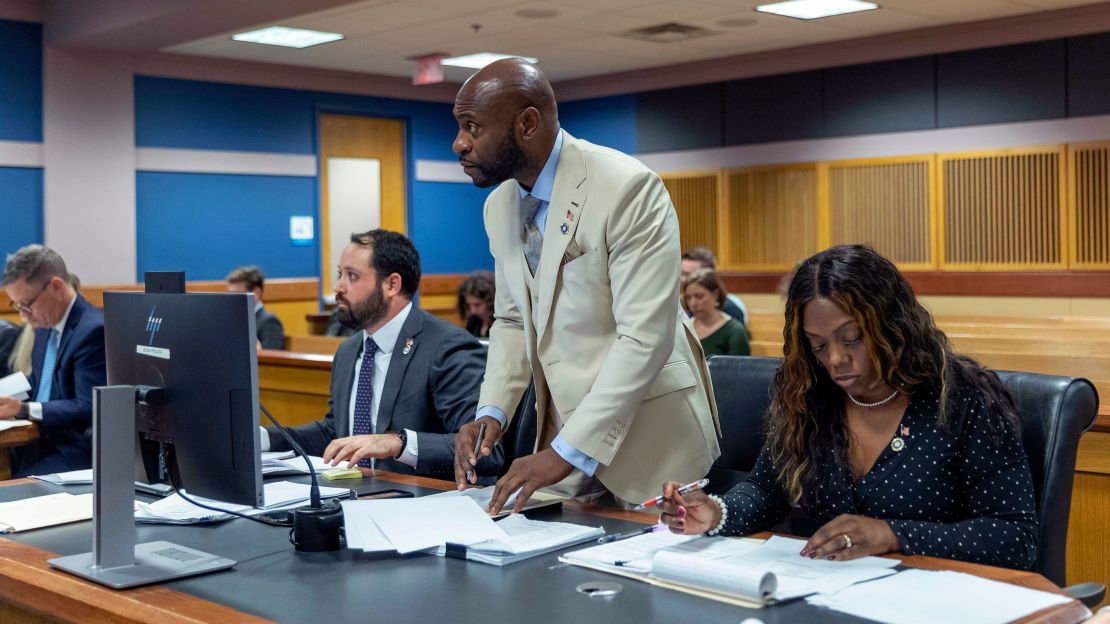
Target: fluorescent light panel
<point x="287" y="37"/>
<point x="815" y="9"/>
<point x="481" y="59"/>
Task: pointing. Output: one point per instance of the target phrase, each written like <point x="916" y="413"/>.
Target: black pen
<point x="477" y="447"/>
<point x="651" y="528"/>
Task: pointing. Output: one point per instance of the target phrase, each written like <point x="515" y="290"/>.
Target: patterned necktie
<point x="364" y="397"/>
<point x="46" y="379"/>
<point x="530" y="235"/>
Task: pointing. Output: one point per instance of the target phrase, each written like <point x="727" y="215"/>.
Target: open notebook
<point x="44" y="511"/>
<point x="743" y="572"/>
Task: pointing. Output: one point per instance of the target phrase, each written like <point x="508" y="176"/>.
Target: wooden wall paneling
<point x="695" y="196"/>
<point x="1089" y="206"/>
<point x="772" y="216"/>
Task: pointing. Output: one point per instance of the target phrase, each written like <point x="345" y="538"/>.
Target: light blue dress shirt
<point x="542" y="189"/>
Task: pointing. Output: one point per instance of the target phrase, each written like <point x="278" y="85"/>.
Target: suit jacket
<point x="269" y="329"/>
<point x="67" y="416"/>
<point x="432" y="390"/>
<point x="610" y="348"/>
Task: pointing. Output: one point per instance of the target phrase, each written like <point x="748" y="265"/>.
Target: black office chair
<point x="520" y="438"/>
<point x="1055" y="411"/>
<point x="741" y="386"/>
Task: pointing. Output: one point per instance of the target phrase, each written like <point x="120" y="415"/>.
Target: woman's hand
<point x="692" y="513"/>
<point x="849" y="537"/>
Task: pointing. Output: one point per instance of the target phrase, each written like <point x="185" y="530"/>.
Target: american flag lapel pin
<point x="570" y="216"/>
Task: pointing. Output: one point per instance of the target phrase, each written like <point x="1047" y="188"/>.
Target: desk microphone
<point x="316" y="527"/>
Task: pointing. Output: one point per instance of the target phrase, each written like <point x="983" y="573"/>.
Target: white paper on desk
<point x="423" y="523"/>
<point x="44" y="511"/>
<point x="801" y="576"/>
<point x="174" y="509"/>
<point x="15" y="386"/>
<point x="926" y="596"/>
<point x="288" y="462"/>
<point x="73" y="477"/>
<point x="14" y="423"/>
<point x="528" y="538"/>
<point x="362" y="532"/>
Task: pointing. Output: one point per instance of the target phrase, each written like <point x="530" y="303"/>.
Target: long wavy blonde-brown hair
<point x="806" y="432"/>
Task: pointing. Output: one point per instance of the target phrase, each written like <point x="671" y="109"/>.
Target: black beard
<point x="510" y="159"/>
<point x="362" y="314"/>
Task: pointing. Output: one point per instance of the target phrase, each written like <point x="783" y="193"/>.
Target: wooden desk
<point x="35" y="592"/>
<point x="14" y="437"/>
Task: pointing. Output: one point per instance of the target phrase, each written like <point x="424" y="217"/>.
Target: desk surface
<point x="272" y="582"/>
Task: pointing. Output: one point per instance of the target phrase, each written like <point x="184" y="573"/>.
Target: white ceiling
<point x="583" y="40"/>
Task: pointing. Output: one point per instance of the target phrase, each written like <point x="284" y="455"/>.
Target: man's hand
<point x="866" y="536"/>
<point x="9" y="408"/>
<point x="465" y="458"/>
<point x="528" y="474"/>
<point x="354" y="449"/>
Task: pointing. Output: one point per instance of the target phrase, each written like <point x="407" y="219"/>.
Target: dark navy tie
<point x="364" y="397"/>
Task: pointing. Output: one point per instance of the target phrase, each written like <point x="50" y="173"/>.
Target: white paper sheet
<point x="362" y="532"/>
<point x="14" y="423"/>
<point x="15" y="386"/>
<point x="423" y="523"/>
<point x="925" y="597"/>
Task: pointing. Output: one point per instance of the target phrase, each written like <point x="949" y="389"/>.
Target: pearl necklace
<point x="876" y="403"/>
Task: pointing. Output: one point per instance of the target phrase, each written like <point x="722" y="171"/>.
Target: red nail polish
<point x="682" y="511"/>
<point x="803" y="553"/>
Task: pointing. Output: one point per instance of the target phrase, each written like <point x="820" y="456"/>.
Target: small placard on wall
<point x="301" y="231"/>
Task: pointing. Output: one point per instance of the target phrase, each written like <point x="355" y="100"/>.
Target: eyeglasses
<point x="25" y="308"/>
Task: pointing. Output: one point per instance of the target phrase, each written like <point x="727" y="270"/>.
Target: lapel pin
<point x="570" y="216"/>
<point x="408" y="347"/>
<point x="564" y="229"/>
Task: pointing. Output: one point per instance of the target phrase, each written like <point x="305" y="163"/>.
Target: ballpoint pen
<point x="605" y="539"/>
<point x="477" y="447"/>
<point x="689" y="487"/>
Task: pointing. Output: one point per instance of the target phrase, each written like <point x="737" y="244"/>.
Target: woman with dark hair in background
<point x="476" y="302"/>
<point x="879" y="431"/>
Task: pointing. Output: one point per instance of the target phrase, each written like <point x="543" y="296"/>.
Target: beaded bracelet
<point x="724" y="515"/>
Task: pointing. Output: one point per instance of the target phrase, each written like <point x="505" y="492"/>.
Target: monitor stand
<point x="116" y="560"/>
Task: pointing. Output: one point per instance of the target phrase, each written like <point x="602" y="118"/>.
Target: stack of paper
<point x="73" y="477"/>
<point x="483" y="496"/>
<point x="176" y="510"/>
<point x="43" y="511"/>
<point x="15" y="386"/>
<point x="288" y="462"/>
<point x="430" y="523"/>
<point x="738" y="571"/>
<point x="924" y="596"/>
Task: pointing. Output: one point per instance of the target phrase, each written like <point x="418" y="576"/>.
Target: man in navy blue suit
<point x="67" y="360"/>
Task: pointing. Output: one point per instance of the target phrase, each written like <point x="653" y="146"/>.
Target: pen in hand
<point x="658" y="500"/>
<point x="477" y="447"/>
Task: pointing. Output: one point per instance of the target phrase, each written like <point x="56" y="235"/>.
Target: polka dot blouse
<point x="950" y="492"/>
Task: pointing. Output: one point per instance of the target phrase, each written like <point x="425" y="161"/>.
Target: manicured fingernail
<point x="803" y="553"/>
<point x="830" y="557"/>
<point x="682" y="511"/>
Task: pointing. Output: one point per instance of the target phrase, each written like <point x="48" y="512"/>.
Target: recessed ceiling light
<point x="537" y="13"/>
<point x="814" y="9"/>
<point x="481" y="59"/>
<point x="287" y="37"/>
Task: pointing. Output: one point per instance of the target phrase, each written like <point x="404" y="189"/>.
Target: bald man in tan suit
<point x="586" y="246"/>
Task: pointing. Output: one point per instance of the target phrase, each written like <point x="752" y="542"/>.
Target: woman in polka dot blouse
<point x="879" y="431"/>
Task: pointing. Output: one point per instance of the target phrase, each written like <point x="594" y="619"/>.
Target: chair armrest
<point x="1089" y="594"/>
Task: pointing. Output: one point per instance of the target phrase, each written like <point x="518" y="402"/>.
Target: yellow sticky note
<point x="342" y="473"/>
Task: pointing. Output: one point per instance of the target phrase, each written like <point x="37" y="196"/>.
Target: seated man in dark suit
<point x="399" y="408"/>
<point x="67" y="360"/>
<point x="267" y="325"/>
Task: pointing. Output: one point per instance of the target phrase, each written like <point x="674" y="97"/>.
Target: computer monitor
<point x="201" y="431"/>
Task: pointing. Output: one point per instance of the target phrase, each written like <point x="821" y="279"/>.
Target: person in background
<point x="879" y="431"/>
<point x="476" y="295"/>
<point x="267" y="325"/>
<point x="67" y="362"/>
<point x="704" y="298"/>
<point x="696" y="258"/>
<point x="9" y="335"/>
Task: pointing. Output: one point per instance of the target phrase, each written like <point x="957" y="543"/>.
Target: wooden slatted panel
<point x="886" y="205"/>
<point x="1091" y="199"/>
<point x="1003" y="211"/>
<point x="772" y="217"/>
<point x="695" y="198"/>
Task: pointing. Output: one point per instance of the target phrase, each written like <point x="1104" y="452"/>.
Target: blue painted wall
<point x="20" y="208"/>
<point x="608" y="121"/>
<point x="20" y="120"/>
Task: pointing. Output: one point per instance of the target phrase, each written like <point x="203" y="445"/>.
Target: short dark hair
<point x="704" y="255"/>
<point x="478" y="284"/>
<point x="34" y="264"/>
<point x="251" y="276"/>
<point x="392" y="252"/>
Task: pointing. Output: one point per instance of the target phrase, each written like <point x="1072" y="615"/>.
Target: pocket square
<point x="573" y="251"/>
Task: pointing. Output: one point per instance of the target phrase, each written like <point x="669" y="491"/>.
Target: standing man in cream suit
<point x="586" y="247"/>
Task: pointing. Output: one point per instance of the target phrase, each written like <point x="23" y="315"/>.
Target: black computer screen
<point x="202" y="432"/>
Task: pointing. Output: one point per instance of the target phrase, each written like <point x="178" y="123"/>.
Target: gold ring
<point x="847" y="541"/>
